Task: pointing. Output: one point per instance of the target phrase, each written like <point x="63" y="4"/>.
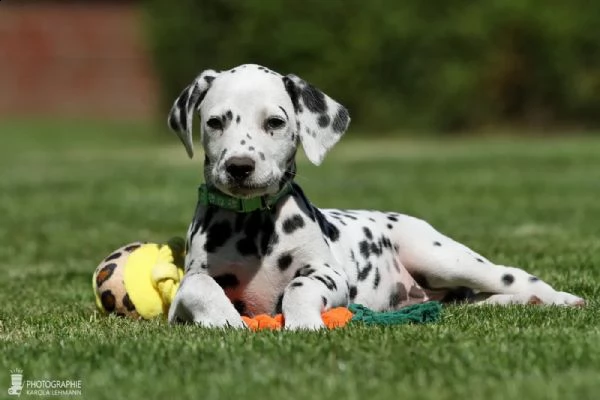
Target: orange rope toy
<point x="334" y="318"/>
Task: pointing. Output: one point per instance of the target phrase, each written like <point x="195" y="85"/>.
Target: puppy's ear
<point x="320" y="120"/>
<point x="182" y="112"/>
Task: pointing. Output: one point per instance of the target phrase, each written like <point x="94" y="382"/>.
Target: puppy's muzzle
<point x="239" y="168"/>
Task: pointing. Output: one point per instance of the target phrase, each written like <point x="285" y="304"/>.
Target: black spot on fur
<point x="376" y="248"/>
<point x="217" y="236"/>
<point x="284" y="261"/>
<point x="239" y="221"/>
<point x="324" y="300"/>
<point x="340" y="121"/>
<point x="314" y="99"/>
<point x="182" y="105"/>
<point x="293" y="223"/>
<point x="243" y="142"/>
<point x="324" y="120"/>
<point x="398" y="295"/>
<point x="290" y="88"/>
<point x="392" y="218"/>
<point x="329" y="229"/>
<point x="252" y="225"/>
<point x="353" y="292"/>
<point x="438" y="244"/>
<point x="327" y="281"/>
<point x="208" y="216"/>
<point x="251" y="148"/>
<point x="285" y="112"/>
<point x="333" y="233"/>
<point x="364" y="273"/>
<point x="267" y="231"/>
<point x="209" y="79"/>
<point x="533" y="279"/>
<point x="238" y="119"/>
<point x="108" y="300"/>
<point x="262" y="155"/>
<point x="279" y="304"/>
<point x="127" y="303"/>
<point x="240" y="307"/>
<point x="386" y="242"/>
<point x="306" y="270"/>
<point x="197" y="98"/>
<point x="377" y="279"/>
<point x="508" y="279"/>
<point x="229" y="115"/>
<point x="297" y="284"/>
<point x="272" y="243"/>
<point x="480" y="260"/>
<point x="246" y="247"/>
<point x="363" y="246"/>
<point x="389" y="226"/>
<point x="227" y="281"/>
<point x="368" y="233"/>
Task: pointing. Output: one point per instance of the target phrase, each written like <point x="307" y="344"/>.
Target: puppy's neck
<point x="211" y="195"/>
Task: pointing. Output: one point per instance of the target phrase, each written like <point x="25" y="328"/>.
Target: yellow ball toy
<point x="139" y="280"/>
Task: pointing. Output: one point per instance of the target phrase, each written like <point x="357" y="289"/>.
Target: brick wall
<point x="75" y="59"/>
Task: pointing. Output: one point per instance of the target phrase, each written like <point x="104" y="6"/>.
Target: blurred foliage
<point x="443" y="64"/>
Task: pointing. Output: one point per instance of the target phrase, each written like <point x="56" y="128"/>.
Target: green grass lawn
<point x="71" y="193"/>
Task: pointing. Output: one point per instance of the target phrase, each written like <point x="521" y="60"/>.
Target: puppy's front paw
<point x="214" y="314"/>
<point x="220" y="322"/>
<point x="303" y="323"/>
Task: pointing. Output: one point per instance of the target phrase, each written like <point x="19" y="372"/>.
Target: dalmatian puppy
<point x="286" y="255"/>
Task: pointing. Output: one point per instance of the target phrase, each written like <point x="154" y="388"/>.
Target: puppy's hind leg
<point x="445" y="263"/>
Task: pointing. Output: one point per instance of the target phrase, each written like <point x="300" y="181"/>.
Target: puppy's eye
<point x="274" y="123"/>
<point x="214" y="123"/>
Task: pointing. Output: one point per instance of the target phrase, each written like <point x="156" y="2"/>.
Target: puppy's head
<point x="252" y="120"/>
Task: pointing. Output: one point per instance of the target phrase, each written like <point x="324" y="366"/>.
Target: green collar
<point x="212" y="196"/>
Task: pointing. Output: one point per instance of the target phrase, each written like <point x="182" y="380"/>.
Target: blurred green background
<point x="411" y="65"/>
<point x="401" y="67"/>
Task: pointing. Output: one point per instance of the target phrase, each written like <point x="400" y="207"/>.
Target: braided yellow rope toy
<point x="139" y="280"/>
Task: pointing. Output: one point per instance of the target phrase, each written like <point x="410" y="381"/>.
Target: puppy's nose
<point x="239" y="168"/>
